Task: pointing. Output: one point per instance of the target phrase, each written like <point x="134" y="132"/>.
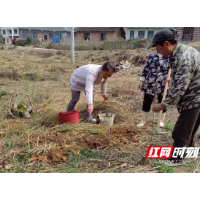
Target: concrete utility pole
<point x="72" y="45"/>
<point x="12" y="31"/>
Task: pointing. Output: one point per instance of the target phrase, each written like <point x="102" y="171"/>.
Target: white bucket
<point x="106" y="119"/>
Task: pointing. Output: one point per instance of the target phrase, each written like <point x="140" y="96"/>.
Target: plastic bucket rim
<point x="69" y="117"/>
<point x="68" y="112"/>
<point x="106" y="115"/>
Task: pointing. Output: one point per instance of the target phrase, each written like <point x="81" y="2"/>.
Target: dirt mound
<point x="56" y="154"/>
<point x="108" y="107"/>
<point x="42" y="53"/>
<point x="136" y="57"/>
<point x="71" y="139"/>
<point x="139" y="59"/>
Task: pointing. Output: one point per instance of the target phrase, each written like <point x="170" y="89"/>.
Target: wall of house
<point x="50" y="29"/>
<point x="125" y="29"/>
<point x="94" y="37"/>
<point x="8" y="35"/>
<point x="136" y="30"/>
<point x="23" y="33"/>
<point x="110" y="36"/>
<point x="8" y="40"/>
<point x="118" y="34"/>
<point x="38" y="34"/>
<point x="196" y="34"/>
<point x="68" y="38"/>
<point x="26" y="32"/>
<point x="179" y="32"/>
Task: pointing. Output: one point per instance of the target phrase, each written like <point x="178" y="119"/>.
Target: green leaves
<point x="21" y="109"/>
<point x="164" y="168"/>
<point x="169" y="127"/>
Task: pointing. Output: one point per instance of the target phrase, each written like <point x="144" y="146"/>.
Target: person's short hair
<point x="170" y="41"/>
<point x="109" y="66"/>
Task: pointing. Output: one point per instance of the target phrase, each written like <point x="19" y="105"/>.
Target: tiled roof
<point x="96" y="29"/>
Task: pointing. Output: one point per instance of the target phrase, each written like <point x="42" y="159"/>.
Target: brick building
<point x="97" y="35"/>
<point x="188" y="34"/>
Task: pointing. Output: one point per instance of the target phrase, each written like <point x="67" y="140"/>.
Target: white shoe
<point x="162" y="120"/>
<point x="144" y="119"/>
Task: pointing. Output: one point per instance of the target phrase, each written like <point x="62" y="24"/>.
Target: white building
<point x="40" y="33"/>
<point x="141" y="32"/>
<point x="8" y="33"/>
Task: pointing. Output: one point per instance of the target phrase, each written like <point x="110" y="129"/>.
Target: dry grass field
<point x="40" y="144"/>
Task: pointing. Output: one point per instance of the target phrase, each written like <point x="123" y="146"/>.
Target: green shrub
<point x="22" y="43"/>
<point x="1" y="39"/>
<point x="120" y="43"/>
<point x="77" y="47"/>
<point x="33" y="77"/>
<point x="97" y="47"/>
<point x="138" y="43"/>
<point x="117" y="44"/>
<point x="29" y="39"/>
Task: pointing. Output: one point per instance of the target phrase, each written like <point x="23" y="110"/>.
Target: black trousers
<point x="148" y="99"/>
<point x="186" y="127"/>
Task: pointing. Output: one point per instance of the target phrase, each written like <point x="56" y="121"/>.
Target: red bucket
<point x="71" y="117"/>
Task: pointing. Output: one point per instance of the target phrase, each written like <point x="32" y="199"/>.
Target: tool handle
<point x="166" y="85"/>
<point x="163" y="98"/>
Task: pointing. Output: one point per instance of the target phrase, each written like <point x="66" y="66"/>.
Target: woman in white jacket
<point x="84" y="79"/>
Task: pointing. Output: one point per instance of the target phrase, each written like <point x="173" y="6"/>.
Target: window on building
<point x="50" y="35"/>
<point x="45" y="37"/>
<point x="63" y="35"/>
<point x="8" y="41"/>
<point x="34" y="35"/>
<point x="188" y="33"/>
<point x="10" y="31"/>
<point x="24" y="34"/>
<point x="4" y="32"/>
<point x="131" y="34"/>
<point x="141" y="34"/>
<point x="150" y="34"/>
<point x="75" y="36"/>
<point x="103" y="36"/>
<point x="86" y="36"/>
<point x="15" y="31"/>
